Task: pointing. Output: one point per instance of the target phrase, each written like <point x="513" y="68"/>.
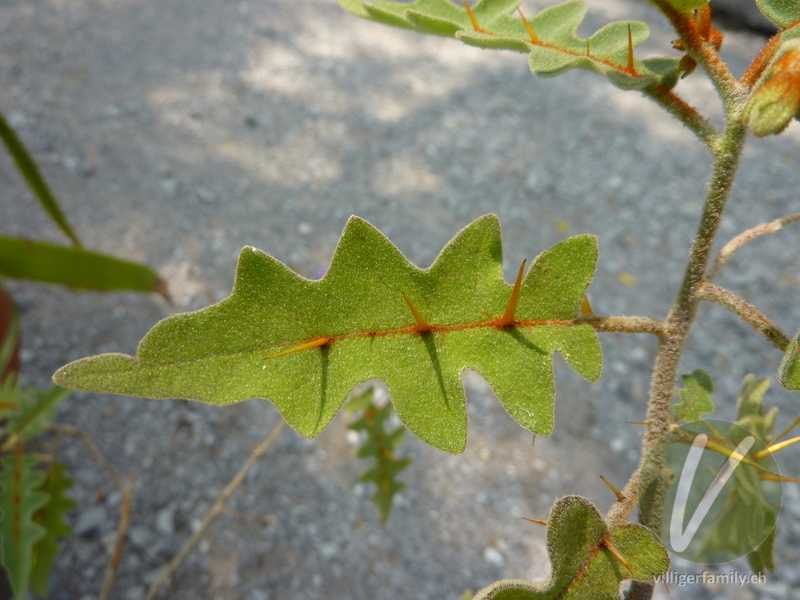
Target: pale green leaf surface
<point x="20" y="499"/>
<point x="557" y="48"/>
<point x="583" y="567"/>
<point x="51" y="517"/>
<point x="695" y="397"/>
<point x="781" y="12"/>
<point x="220" y="354"/>
<point x="73" y="267"/>
<point x="789" y="371"/>
<point x="750" y="408"/>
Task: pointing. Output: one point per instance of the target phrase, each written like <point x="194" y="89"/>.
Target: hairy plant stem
<point x="679" y="321"/>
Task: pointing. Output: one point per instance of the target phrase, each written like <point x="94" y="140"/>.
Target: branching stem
<point x="747" y="312"/>
<point x="626" y="325"/>
<point x="746" y="236"/>
<point x="727" y="153"/>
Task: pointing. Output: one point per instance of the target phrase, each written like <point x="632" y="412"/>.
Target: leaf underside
<point x="220" y="354"/>
<point x="554" y="47"/>
<point x="583" y="565"/>
<point x="781" y="12"/>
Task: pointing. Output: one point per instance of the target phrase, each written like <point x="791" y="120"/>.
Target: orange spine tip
<point x="539" y="521"/>
<point x="472" y="18"/>
<point x="531" y="32"/>
<point x="776" y="447"/>
<point x="630" y="50"/>
<point x="779" y="478"/>
<point x="586" y="306"/>
<point x="638" y="422"/>
<point x="422" y="325"/>
<point x="323" y="341"/>
<point x="507" y="320"/>
<point x="610" y="547"/>
<point x="620" y="496"/>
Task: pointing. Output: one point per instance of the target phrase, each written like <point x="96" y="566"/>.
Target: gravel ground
<point x="176" y="132"/>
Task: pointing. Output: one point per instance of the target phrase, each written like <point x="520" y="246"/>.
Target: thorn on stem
<point x="422" y="325"/>
<point x="508" y="318"/>
<point x="620" y="496"/>
<point x="531" y="32"/>
<point x="316" y="343"/>
<point x="586" y="307"/>
<point x="638" y="422"/>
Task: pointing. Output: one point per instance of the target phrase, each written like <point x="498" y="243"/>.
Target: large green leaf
<point x="20" y="499"/>
<point x="51" y="517"/>
<point x="585" y="557"/>
<point x="554" y="46"/>
<point x="74" y="267"/>
<point x="781" y="12"/>
<point x="222" y="354"/>
<point x="30" y="170"/>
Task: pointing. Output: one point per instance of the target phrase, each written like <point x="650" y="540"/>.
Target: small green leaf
<point x="379" y="445"/>
<point x="34" y="408"/>
<point x="695" y="397"/>
<point x="20" y="498"/>
<point x="358" y="326"/>
<point x="750" y="408"/>
<point x="789" y="372"/>
<point x="27" y="166"/>
<point x="554" y="46"/>
<point x="51" y="517"/>
<point x="781" y="12"/>
<point x="74" y="267"/>
<point x="585" y="557"/>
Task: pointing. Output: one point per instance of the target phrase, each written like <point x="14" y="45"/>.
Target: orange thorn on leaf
<point x="316" y="343"/>
<point x="539" y="521"/>
<point x="472" y="18"/>
<point x="606" y="543"/>
<point x="531" y="32"/>
<point x="422" y="325"/>
<point x="638" y="422"/>
<point x="620" y="496"/>
<point x="507" y="320"/>
<point x="630" y="50"/>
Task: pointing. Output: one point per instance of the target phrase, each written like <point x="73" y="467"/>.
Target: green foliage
<point x="585" y="557"/>
<point x="30" y="170"/>
<point x="695" y="397"/>
<point x="748" y="510"/>
<point x="554" y="45"/>
<point x="358" y="327"/>
<point x="789" y="371"/>
<point x="76" y="268"/>
<point x="781" y="12"/>
<point x="381" y="446"/>
<point x="20" y="499"/>
<point x="33" y="408"/>
<point x="51" y="517"/>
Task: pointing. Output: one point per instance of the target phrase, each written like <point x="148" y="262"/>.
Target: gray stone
<point x="90" y="520"/>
